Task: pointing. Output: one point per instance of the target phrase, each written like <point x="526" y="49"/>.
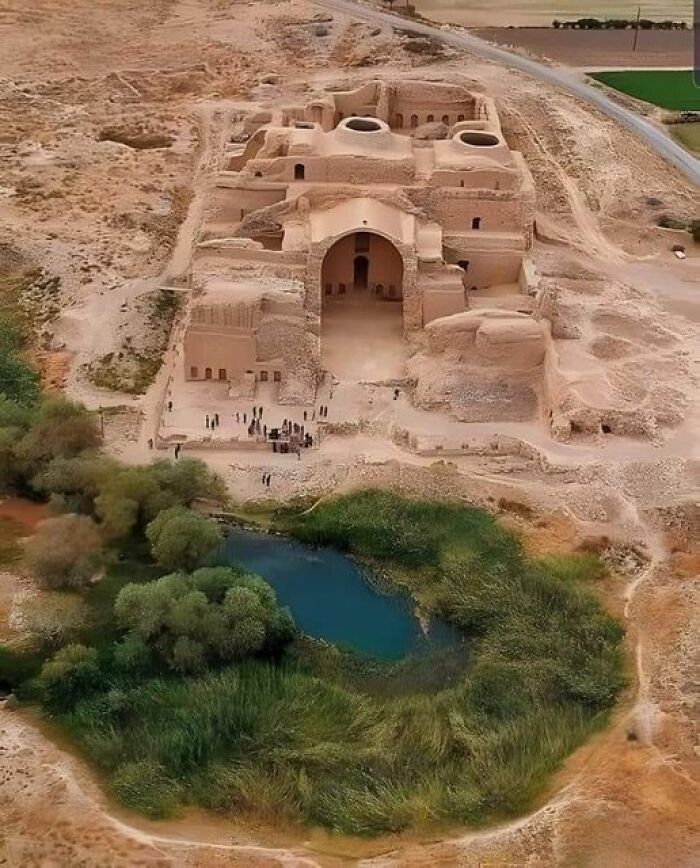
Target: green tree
<point x="181" y="538"/>
<point x="59" y="429"/>
<point x="188" y="479"/>
<point x="131" y="497"/>
<point x="65" y="552"/>
<point x="71" y="674"/>
<point x="213" y="616"/>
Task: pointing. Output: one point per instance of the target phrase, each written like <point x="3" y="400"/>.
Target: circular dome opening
<point x="363" y="125"/>
<point x="481" y="140"/>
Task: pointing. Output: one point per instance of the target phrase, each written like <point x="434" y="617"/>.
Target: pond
<point x="330" y="597"/>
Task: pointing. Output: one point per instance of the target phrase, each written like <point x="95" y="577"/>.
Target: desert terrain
<point x="115" y="116"/>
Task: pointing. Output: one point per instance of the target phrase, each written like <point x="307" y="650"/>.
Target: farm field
<point x="598" y="49"/>
<point x="669" y="89"/>
<point x="688" y="135"/>
<point x="541" y="13"/>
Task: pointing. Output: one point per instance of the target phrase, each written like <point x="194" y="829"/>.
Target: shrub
<point x="181" y="538"/>
<point x="69" y="676"/>
<point x="54" y="617"/>
<point x="59" y="429"/>
<point x="18" y="380"/>
<point x="66" y="551"/>
<point x="213" y="616"/>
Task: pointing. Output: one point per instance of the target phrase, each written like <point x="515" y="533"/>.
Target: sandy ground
<point x="593" y="50"/>
<point x="103" y="216"/>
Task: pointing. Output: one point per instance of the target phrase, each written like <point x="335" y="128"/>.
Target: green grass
<point x="687" y="134"/>
<point x="314" y="739"/>
<point x="669" y="89"/>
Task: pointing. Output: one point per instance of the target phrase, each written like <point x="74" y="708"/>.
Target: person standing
<point x="206" y="420"/>
<point x="216" y="419"/>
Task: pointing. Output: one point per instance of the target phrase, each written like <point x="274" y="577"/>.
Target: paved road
<point x="568" y="81"/>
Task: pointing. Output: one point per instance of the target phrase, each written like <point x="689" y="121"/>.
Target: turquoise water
<point x="330" y="598"/>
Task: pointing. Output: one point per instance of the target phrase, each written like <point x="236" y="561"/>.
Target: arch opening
<point x="360" y="273"/>
<point x="361" y="308"/>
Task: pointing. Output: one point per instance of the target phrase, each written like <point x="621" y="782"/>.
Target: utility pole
<point x="636" y="28"/>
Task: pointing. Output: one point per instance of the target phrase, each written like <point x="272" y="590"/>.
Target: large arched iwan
<point x="363" y="262"/>
<point x="362" y="309"/>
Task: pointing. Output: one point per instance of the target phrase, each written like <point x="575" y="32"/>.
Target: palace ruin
<point x="371" y="242"/>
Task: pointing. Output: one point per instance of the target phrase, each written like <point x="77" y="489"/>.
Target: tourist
<point x="206" y="420"/>
<point x="216" y="419"/>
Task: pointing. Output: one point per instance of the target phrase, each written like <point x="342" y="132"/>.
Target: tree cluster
<point x="51" y="450"/>
<point x="212" y="617"/>
<point x="33" y="436"/>
<point x="618" y="24"/>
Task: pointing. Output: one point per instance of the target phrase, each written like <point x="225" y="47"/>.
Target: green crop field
<point x="669" y="89"/>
